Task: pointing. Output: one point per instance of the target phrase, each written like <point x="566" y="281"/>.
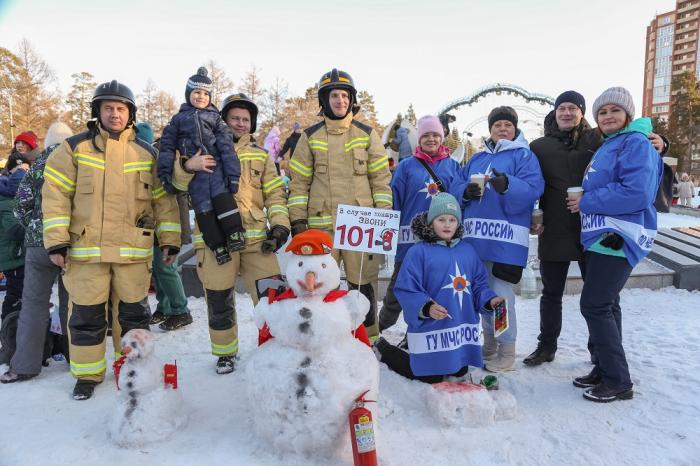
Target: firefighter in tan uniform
<point x="102" y="207"/>
<point x="340" y="161"/>
<point x="261" y="197"/>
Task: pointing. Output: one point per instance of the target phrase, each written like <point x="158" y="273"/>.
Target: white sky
<point x="424" y="52"/>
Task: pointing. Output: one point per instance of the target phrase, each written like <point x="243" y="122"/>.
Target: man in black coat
<point x="564" y="153"/>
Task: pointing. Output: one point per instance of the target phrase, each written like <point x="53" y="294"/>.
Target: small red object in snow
<point x="170" y="375"/>
<point x="456" y="387"/>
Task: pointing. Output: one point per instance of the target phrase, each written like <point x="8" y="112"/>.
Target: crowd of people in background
<point x="103" y="211"/>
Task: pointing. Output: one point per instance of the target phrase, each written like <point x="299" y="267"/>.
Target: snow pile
<point x="146" y="410"/>
<point x="459" y="404"/>
<point x="302" y="383"/>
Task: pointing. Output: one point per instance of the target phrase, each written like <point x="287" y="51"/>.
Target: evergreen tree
<point x="684" y="121"/>
<point x="79" y="100"/>
<point x="368" y="112"/>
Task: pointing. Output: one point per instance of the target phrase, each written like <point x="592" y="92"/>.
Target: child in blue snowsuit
<point x="199" y="127"/>
<point x="442" y="288"/>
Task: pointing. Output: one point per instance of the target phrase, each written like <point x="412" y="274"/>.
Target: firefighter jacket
<point x="261" y="196"/>
<point x="337" y="162"/>
<point x="101" y="197"/>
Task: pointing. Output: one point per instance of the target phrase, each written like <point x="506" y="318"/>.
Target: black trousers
<point x="391" y="308"/>
<point x="216" y="225"/>
<point x="398" y="360"/>
<point x="13" y="292"/>
<point x="600" y="306"/>
<point x="553" y="283"/>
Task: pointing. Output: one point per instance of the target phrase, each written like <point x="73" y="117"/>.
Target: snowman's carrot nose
<point x="126" y="350"/>
<point x="310" y="282"/>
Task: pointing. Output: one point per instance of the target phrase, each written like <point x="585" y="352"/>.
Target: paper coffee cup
<point x="574" y="193"/>
<point x="537" y="217"/>
<point x="479" y="179"/>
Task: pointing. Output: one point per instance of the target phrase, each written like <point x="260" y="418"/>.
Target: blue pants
<point x="600" y="306"/>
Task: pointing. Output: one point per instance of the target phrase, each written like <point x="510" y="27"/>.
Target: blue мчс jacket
<point x="498" y="225"/>
<point x="619" y="188"/>
<point x="413" y="189"/>
<point x="189" y="131"/>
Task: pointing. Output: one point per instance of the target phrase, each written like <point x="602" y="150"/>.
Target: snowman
<point x="147" y="410"/>
<point x="311" y="364"/>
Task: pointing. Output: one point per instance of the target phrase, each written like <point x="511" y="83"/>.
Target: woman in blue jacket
<point x="618" y="227"/>
<point x="413" y="187"/>
<point x="497" y="219"/>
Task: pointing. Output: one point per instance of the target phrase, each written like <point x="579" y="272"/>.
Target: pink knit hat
<point x="429" y="124"/>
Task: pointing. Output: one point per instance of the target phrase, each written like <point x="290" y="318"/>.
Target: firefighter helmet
<point x="113" y="90"/>
<point x="336" y="79"/>
<point x="241" y="100"/>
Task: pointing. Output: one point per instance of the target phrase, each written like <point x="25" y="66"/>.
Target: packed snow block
<point x="147" y="410"/>
<point x="463" y="404"/>
<point x="681" y="247"/>
<point x="686" y="269"/>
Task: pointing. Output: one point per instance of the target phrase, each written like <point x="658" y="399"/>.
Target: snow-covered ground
<point x="555" y="425"/>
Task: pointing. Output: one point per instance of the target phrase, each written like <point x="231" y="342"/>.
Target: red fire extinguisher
<point x="364" y="452"/>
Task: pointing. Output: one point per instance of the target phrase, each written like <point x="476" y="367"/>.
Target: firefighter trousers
<point x="259" y="271"/>
<point x="90" y="287"/>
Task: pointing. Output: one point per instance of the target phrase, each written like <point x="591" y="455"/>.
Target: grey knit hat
<point x="615" y="95"/>
<point x="444" y="203"/>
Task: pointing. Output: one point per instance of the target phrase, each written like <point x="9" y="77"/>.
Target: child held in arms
<point x="199" y="129"/>
<point x="442" y="287"/>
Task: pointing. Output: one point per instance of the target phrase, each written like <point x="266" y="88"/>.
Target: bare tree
<point x="37" y="99"/>
<point x="274" y="102"/>
<point x="221" y="85"/>
<point x="79" y="100"/>
<point x="147" y="102"/>
<point x="251" y="85"/>
<point x="165" y="106"/>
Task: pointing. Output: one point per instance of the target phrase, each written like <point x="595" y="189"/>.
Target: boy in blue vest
<point x="442" y="287"/>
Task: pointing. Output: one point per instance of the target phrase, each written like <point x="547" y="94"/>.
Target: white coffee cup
<point x="479" y="179"/>
<point x="574" y="192"/>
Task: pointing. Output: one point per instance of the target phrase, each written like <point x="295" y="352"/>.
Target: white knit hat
<point x="56" y="133"/>
<point x="615" y="95"/>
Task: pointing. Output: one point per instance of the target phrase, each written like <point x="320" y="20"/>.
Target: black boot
<point x="602" y="394"/>
<point x="157" y="318"/>
<point x="175" y="322"/>
<point x="587" y="381"/>
<point x="540" y="355"/>
<point x="225" y="364"/>
<point x="84" y="389"/>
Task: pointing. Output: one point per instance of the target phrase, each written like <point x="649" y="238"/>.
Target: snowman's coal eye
<point x="323" y="265"/>
<point x="300" y="263"/>
<point x="133" y="344"/>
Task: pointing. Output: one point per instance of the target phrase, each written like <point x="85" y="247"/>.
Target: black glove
<point x="62" y="250"/>
<point x="172" y="250"/>
<point x="499" y="181"/>
<point x="612" y="241"/>
<point x="299" y="226"/>
<point x="275" y="239"/>
<point x="16" y="233"/>
<point x="473" y="191"/>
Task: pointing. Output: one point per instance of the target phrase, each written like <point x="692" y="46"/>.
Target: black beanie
<point x="572" y="97"/>
<point x="503" y="113"/>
